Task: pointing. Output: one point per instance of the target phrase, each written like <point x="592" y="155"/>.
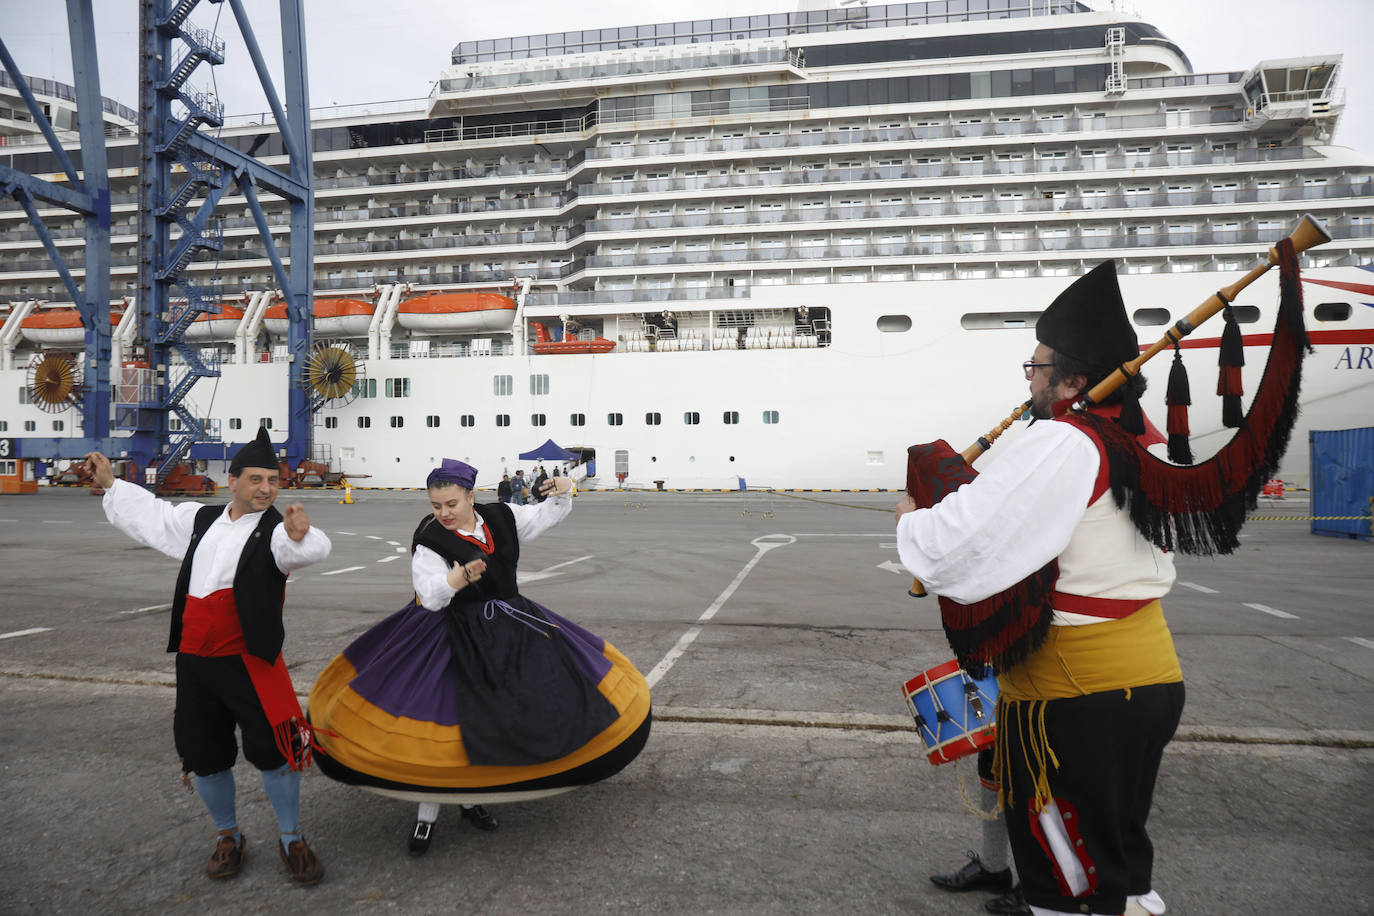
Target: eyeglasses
<point x="1031" y="365"/>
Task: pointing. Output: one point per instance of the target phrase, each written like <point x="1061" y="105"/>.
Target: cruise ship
<point x="762" y="251"/>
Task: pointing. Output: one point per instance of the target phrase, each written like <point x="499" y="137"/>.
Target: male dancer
<point x="227" y="632"/>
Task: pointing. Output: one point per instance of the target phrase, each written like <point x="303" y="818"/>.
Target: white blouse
<point x="168" y="527"/>
<point x="429" y="571"/>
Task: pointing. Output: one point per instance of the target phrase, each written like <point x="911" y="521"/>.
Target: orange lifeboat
<point x="543" y="344"/>
<point x="457" y="313"/>
<point x="218" y="328"/>
<point x="59" y="327"/>
<point x="333" y="318"/>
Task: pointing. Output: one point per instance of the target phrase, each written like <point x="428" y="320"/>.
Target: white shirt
<point x="1030" y="507"/>
<point x="168" y="527"/>
<point x="429" y="571"/>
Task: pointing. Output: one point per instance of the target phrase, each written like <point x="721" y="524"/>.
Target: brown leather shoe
<point x="227" y="858"/>
<point x="301" y="862"/>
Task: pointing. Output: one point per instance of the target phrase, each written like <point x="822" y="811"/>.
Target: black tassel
<point x="1132" y="419"/>
<point x="1230" y="360"/>
<point x="1179" y="398"/>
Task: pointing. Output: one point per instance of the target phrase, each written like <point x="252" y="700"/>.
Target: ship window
<point x="730" y="417"/>
<point x="1245" y="314"/>
<point x="467" y="420"/>
<point x="987" y="321"/>
<point x="331" y="422"/>
<point x="1332" y="311"/>
<point x="1150" y="318"/>
<point x="398" y="387"/>
<point x="364" y="422"/>
<point x="432" y="421"/>
<point x="539" y="384"/>
<point x="398" y="422"/>
<point x="4" y="425"/>
<point x="265" y="422"/>
<point x="770" y="417"/>
<point x="653" y="419"/>
<point x="236" y="423"/>
<point x="691" y="418"/>
<point x="23" y="394"/>
<point x="502" y="385"/>
<point x="503" y="419"/>
<point x="578" y="419"/>
<point x="614" y="419"/>
<point x="30" y="426"/>
<point x="894" y="324"/>
<point x="538" y="419"/>
<point x="57" y="426"/>
<point x="365" y="388"/>
<point x="8" y="468"/>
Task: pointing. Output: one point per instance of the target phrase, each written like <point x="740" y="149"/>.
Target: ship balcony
<point x="1293" y="109"/>
<point x="630" y="72"/>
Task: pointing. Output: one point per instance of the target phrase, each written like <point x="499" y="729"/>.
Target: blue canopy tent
<point x="549" y="451"/>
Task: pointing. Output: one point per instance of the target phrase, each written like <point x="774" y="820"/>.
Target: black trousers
<point x="1109" y="749"/>
<point x="213" y="696"/>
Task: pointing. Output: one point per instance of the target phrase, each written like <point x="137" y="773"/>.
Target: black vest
<point x="499" y="579"/>
<point x="259" y="586"/>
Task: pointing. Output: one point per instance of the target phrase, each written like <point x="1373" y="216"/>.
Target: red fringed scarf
<point x="1191" y="510"/>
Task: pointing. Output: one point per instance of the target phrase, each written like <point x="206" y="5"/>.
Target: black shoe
<point x="420" y="837"/>
<point x="481" y="818"/>
<point x="1012" y="903"/>
<point x="974" y="877"/>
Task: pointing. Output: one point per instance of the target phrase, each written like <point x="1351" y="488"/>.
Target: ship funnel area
<point x="1295" y="90"/>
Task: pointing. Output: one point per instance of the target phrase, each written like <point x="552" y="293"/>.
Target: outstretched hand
<point x="295" y="521"/>
<point x="555" y="484"/>
<point x="100" y="469"/>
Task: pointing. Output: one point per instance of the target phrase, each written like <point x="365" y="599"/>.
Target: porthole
<point x="894" y="324"/>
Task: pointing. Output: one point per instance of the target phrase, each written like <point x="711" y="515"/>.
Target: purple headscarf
<point x="452" y="471"/>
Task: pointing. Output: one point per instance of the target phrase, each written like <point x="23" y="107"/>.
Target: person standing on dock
<point x="227" y="632"/>
<point x="1083" y="714"/>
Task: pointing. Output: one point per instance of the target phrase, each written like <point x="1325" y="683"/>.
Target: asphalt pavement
<point x="782" y="775"/>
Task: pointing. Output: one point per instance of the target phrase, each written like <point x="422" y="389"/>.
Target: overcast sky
<point x="369" y="51"/>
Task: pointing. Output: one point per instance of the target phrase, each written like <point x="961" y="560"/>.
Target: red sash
<point x="210" y="628"/>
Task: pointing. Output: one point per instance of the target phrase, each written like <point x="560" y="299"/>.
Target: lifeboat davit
<point x="543" y="344"/>
<point x="457" y="313"/>
<point x="218" y="328"/>
<point x="333" y="318"/>
<point x="58" y="327"/>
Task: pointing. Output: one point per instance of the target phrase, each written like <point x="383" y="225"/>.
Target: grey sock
<point x="994" y="853"/>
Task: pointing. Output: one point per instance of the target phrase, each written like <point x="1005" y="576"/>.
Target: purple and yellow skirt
<point x="494" y="701"/>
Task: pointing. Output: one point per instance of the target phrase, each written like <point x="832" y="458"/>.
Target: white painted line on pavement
<point x="350" y="533"/>
<point x="394" y="543"/>
<point x="9" y="519"/>
<point x="763" y="545"/>
<point x="550" y="571"/>
<point x="1199" y="588"/>
<point x="1361" y="641"/>
<point x="400" y="550"/>
<point x="374" y="537"/>
<point x="25" y="632"/>
<point x="335" y="572"/>
<point x="823" y="534"/>
<point x="57" y="521"/>
<point x="1275" y="611"/>
<point x="152" y="608"/>
<point x="389" y="559"/>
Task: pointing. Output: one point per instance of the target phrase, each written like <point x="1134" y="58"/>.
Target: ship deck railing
<point x="1030" y="127"/>
<point x="651" y="61"/>
<point x="949" y="168"/>
<point x="1340" y="228"/>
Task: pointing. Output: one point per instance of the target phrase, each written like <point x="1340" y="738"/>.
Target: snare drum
<point x="954" y="711"/>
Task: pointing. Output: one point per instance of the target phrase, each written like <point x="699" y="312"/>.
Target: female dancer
<point x="473" y="692"/>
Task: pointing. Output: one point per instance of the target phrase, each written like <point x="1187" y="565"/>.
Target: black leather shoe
<point x="1012" y="903"/>
<point x="481" y="818"/>
<point x="974" y="877"/>
<point x="420" y="837"/>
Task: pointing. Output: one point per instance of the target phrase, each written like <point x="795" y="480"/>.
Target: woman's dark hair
<point x="1065" y="367"/>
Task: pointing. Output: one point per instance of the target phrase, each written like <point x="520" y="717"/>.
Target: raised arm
<point x="296" y="543"/>
<point x="152" y="522"/>
<point x="533" y="519"/>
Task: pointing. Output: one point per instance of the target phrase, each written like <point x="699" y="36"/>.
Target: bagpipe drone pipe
<point x="1194" y="509"/>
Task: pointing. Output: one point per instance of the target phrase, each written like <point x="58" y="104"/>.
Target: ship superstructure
<point x="811" y="238"/>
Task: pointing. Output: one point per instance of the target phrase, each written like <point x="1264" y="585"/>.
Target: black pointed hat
<point x="256" y="454"/>
<point x="1088" y="321"/>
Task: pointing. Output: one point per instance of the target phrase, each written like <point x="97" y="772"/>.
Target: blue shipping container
<point x="1343" y="482"/>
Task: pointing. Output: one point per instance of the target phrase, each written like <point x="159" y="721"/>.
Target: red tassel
<point x="1229" y="382"/>
<point x="1178" y="420"/>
